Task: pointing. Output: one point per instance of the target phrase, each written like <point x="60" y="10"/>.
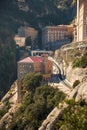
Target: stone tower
<point x="81" y="20"/>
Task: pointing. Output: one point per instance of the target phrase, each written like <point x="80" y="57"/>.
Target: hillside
<point x="69" y="112"/>
<point x="38" y="14"/>
<point x="42" y="99"/>
<point x="36" y="105"/>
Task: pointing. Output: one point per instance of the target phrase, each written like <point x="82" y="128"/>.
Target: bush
<point x="76" y="83"/>
<point x="31" y="81"/>
<point x="74" y="118"/>
<point x="35" y="108"/>
<point x="80" y="62"/>
<point x="76" y="63"/>
<point x="3" y="112"/>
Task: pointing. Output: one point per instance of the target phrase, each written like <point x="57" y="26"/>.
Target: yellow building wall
<point x="37" y="67"/>
<point x="48" y="67"/>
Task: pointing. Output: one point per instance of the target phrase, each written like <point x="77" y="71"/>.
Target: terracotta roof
<point x="31" y="59"/>
<point x="36" y="58"/>
<point x="26" y="60"/>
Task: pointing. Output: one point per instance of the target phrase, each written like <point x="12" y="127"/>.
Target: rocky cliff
<point x="79" y="93"/>
<point x="9" y="101"/>
<point x="73" y="74"/>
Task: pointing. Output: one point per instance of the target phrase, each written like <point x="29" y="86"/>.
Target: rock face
<point x="80" y="92"/>
<point x="53" y="117"/>
<point x="10" y="97"/>
<point x="73" y="74"/>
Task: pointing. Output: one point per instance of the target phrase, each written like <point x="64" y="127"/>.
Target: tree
<point x="35" y="107"/>
<point x="80" y="62"/>
<point x="7" y="64"/>
<point x="28" y="41"/>
<point x="31" y="81"/>
<point x="74" y="118"/>
<point x="76" y="83"/>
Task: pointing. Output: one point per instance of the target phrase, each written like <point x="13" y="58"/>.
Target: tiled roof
<point x="31" y="59"/>
<point x="36" y="58"/>
<point x="26" y="60"/>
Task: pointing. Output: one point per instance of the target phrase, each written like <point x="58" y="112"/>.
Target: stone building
<point x="81" y="20"/>
<point x="28" y="32"/>
<point x="24" y="67"/>
<point x="53" y="34"/>
<point x="35" y="64"/>
<point x="19" y="40"/>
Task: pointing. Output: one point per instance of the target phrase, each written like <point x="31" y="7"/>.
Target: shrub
<point x="76" y="83"/>
<point x="3" y="112"/>
<point x="31" y="81"/>
<point x="80" y="62"/>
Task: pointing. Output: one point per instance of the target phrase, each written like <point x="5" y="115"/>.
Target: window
<point x="30" y="66"/>
<point x="23" y="66"/>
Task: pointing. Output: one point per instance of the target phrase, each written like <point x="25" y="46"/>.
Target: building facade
<point x="47" y="65"/>
<point x="24" y="67"/>
<point x="81" y="20"/>
<point x="52" y="34"/>
<point x="41" y="52"/>
<point x="28" y="32"/>
<point x="34" y="64"/>
<point x="19" y="40"/>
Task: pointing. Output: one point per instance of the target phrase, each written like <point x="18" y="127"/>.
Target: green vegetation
<point x="36" y="104"/>
<point x="80" y="62"/>
<point x="31" y="81"/>
<point x="7" y="64"/>
<point x="74" y="117"/>
<point x="76" y="83"/>
<point x="5" y="110"/>
<point x="28" y="41"/>
<point x="40" y="14"/>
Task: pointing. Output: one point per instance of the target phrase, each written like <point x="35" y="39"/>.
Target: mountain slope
<point x="13" y="14"/>
<point x="42" y="12"/>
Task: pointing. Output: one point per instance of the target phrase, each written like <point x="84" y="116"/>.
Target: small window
<point x="30" y="66"/>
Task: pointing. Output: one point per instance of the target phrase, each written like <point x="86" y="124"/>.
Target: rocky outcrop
<point x="11" y="95"/>
<point x="7" y="118"/>
<point x="11" y="98"/>
<point x="53" y="117"/>
<point x="80" y="92"/>
<point x="73" y="74"/>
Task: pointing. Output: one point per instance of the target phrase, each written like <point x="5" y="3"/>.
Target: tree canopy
<point x="31" y="81"/>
